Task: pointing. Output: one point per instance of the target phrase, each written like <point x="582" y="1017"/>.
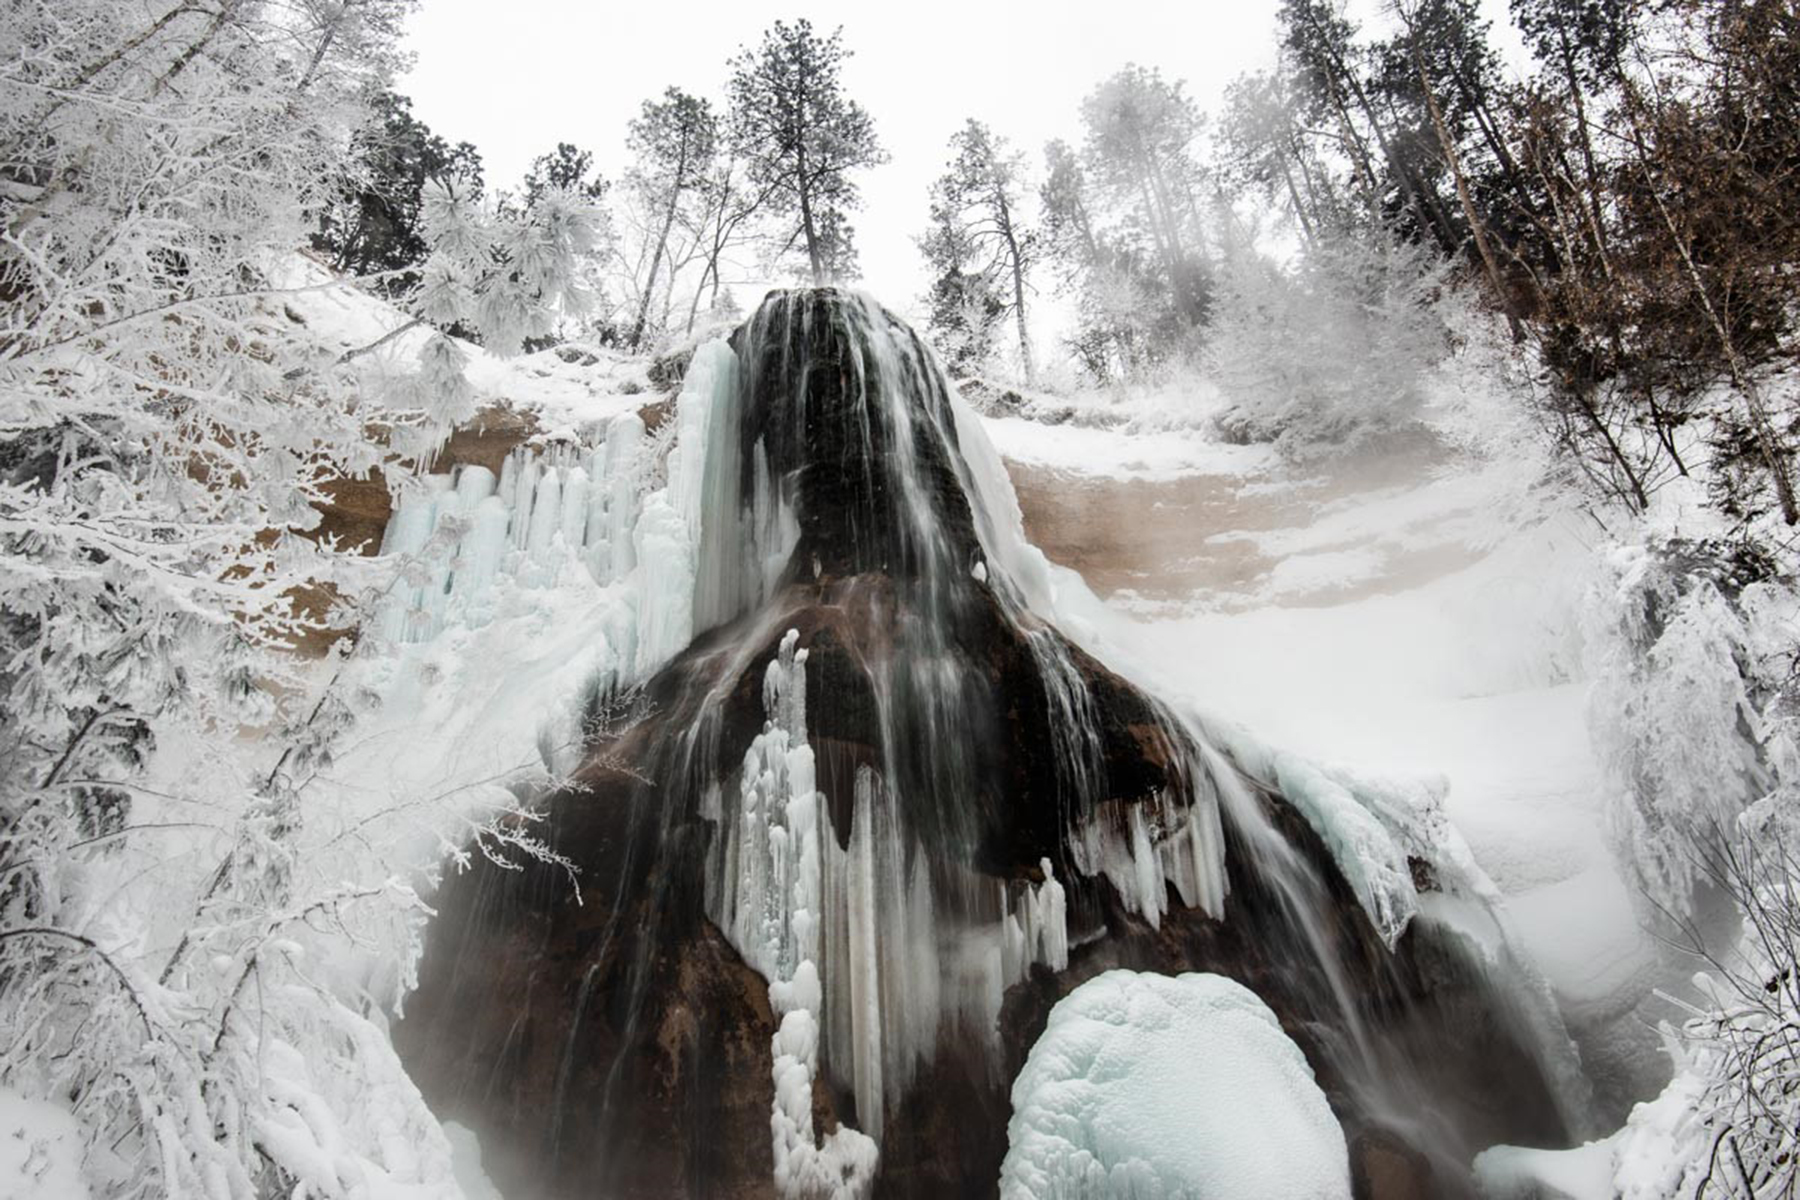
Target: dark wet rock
<point x="1384" y="1167"/>
<point x="990" y="399"/>
<point x="615" y="1045"/>
<point x="667" y="371"/>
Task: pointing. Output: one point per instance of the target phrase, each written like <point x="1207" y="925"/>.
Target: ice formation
<point x="851" y="932"/>
<point x="1152" y="1087"/>
<point x="467" y="537"/>
<point x="776" y="926"/>
<point x="865" y="912"/>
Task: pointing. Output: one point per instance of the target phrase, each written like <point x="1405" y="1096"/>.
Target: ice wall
<point x="625" y="512"/>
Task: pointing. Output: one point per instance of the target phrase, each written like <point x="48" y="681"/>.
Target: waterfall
<point x="877" y="754"/>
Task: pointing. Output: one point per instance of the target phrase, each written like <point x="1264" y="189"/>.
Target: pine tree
<point x="1141" y="139"/>
<point x="566" y="169"/>
<point x="801" y="138"/>
<point x="675" y="141"/>
<point x="374" y="224"/>
<point x="979" y="248"/>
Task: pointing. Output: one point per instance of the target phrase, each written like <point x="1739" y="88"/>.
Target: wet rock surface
<point x="603" y="1037"/>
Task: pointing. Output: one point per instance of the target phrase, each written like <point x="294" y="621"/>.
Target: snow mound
<point x="1518" y="1173"/>
<point x="40" y="1151"/>
<point x="1175" y="1088"/>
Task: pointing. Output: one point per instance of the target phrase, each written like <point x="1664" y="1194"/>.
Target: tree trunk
<point x="676" y="187"/>
<point x="1476" y="228"/>
<point x="1740" y="373"/>
<point x="1018" y="278"/>
<point x="1594" y="212"/>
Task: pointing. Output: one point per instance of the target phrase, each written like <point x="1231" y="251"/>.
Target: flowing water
<point x="887" y="772"/>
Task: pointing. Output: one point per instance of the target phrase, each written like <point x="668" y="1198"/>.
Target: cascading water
<point x="878" y="810"/>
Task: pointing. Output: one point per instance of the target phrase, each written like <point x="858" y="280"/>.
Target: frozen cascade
<point x="908" y="950"/>
<point x="777" y="929"/>
<point x="890" y="970"/>
<point x="1462" y="912"/>
<point x="897" y="856"/>
<point x="467" y="537"/>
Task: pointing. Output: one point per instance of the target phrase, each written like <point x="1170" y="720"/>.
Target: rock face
<point x="992" y="795"/>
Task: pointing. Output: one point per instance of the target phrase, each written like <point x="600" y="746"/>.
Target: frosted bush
<point x="1684" y="644"/>
<point x="1334" y="348"/>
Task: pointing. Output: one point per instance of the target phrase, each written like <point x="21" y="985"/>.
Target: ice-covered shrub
<point x="1685" y="647"/>
<point x="1335" y="347"/>
<point x="1728" y="1125"/>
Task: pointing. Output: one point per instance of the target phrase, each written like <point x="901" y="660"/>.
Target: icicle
<point x="573" y="518"/>
<point x="772" y="905"/>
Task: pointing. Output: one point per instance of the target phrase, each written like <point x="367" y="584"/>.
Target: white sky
<point x="517" y="76"/>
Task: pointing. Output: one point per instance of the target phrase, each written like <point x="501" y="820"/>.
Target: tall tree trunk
<point x="1287" y="177"/>
<point x="1018" y="279"/>
<point x="643" y="313"/>
<point x="1476" y="226"/>
<point x="1760" y="425"/>
<point x="676" y="186"/>
<point x="1595" y="214"/>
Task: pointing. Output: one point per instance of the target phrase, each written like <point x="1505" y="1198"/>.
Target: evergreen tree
<point x="1265" y="150"/>
<point x="566" y="169"/>
<point x="1141" y="135"/>
<point x="375" y="222"/>
<point x="801" y="138"/>
<point x="675" y="141"/>
<point x="978" y="247"/>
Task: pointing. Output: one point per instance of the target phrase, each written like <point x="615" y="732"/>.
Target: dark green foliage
<point x="801" y="138"/>
<point x="374" y="225"/>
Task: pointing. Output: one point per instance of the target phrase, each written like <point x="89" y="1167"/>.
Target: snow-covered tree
<point x="168" y="430"/>
<point x="1337" y="346"/>
<point x="375" y="223"/>
<point x="979" y="247"/>
<point x="801" y="137"/>
<point x="675" y="140"/>
<point x="1686" y="649"/>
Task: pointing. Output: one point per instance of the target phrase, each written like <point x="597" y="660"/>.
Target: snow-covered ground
<point x="1412" y="612"/>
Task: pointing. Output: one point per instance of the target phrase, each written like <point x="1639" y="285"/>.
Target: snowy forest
<point x="1273" y="674"/>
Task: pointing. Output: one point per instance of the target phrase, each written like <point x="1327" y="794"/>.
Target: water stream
<point x="883" y="766"/>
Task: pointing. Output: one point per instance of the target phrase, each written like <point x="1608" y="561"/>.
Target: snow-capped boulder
<point x="1170" y="1087"/>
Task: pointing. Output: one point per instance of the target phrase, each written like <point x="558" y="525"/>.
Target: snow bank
<point x="1169" y="1087"/>
<point x="40" y="1151"/>
<point x="1121" y="454"/>
<point x="1516" y="1173"/>
<point x="567" y="386"/>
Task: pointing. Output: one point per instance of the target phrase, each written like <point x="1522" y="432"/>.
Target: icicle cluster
<point x="776" y="926"/>
<point x="555" y="512"/>
<point x="546" y="510"/>
<point x="1144" y="847"/>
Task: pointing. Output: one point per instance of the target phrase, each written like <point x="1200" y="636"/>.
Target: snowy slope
<point x="567" y="387"/>
<point x="1414" y="614"/>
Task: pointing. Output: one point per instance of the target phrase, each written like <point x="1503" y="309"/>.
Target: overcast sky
<point x="517" y="76"/>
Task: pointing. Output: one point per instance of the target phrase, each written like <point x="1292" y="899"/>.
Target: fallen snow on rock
<point x="1172" y="1087"/>
<point x="1518" y="1173"/>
